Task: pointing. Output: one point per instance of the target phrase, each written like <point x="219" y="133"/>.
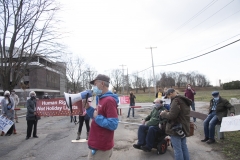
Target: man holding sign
<point x="217" y="110"/>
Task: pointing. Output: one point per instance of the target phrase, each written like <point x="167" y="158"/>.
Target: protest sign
<point x="57" y="107"/>
<point x="124" y="100"/>
<point x="230" y="124"/>
<point x="5" y="124"/>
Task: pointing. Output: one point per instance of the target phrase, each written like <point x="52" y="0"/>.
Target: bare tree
<point x="74" y="73"/>
<point x="149" y="81"/>
<point x="116" y="79"/>
<point x="135" y="81"/>
<point x="158" y="77"/>
<point x="28" y="31"/>
<point x="89" y="74"/>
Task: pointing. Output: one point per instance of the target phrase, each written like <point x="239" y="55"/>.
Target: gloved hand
<point x="84" y="94"/>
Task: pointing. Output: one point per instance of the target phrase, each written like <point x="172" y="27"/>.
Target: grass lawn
<point x="200" y="95"/>
<point x="230" y="145"/>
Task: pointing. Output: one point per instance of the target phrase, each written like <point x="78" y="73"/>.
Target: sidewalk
<point x="126" y="136"/>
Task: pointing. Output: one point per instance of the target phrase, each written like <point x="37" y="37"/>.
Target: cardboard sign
<point x="124" y="100"/>
<point x="230" y="124"/>
<point x="5" y="124"/>
<point x="57" y="107"/>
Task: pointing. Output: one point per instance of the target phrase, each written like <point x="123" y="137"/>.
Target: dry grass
<point x="200" y="95"/>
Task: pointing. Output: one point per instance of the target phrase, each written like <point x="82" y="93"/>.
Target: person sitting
<point x="147" y="133"/>
<point x="217" y="110"/>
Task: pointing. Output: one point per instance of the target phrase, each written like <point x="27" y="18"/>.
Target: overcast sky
<point x="110" y="33"/>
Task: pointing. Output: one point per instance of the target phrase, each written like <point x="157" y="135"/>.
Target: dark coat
<point x="153" y="118"/>
<point x="132" y="99"/>
<point x="179" y="113"/>
<point x="31" y="107"/>
<point x="223" y="106"/>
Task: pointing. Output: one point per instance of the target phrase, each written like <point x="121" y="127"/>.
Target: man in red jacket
<point x="104" y="120"/>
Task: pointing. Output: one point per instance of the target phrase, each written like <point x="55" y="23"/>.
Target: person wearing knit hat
<point x="7" y="104"/>
<point x="217" y="110"/>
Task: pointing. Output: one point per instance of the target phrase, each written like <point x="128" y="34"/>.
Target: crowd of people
<point x="172" y="120"/>
<point x="177" y="120"/>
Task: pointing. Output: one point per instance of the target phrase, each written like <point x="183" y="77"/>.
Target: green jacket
<point x="179" y="113"/>
<point x="223" y="106"/>
<point x="154" y="117"/>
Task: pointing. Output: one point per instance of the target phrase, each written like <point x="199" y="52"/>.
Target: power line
<point x="122" y="78"/>
<point x="192" y="18"/>
<point x="201" y="54"/>
<point x="203" y="21"/>
<point x="208" y="47"/>
<point x="193" y="57"/>
<point x="210" y="16"/>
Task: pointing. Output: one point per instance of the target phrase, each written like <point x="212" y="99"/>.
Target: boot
<point x="78" y="135"/>
<point x="87" y="135"/>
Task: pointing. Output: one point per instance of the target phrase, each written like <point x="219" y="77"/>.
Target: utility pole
<point x="89" y="76"/>
<point x="123" y="78"/>
<point x="127" y="83"/>
<point x="154" y="81"/>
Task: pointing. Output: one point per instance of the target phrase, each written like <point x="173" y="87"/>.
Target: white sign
<point x="230" y="124"/>
<point x="5" y="124"/>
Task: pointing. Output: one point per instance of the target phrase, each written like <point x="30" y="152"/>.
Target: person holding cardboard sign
<point x="7" y="104"/>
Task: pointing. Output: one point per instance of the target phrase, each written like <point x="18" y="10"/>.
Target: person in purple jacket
<point x="189" y="93"/>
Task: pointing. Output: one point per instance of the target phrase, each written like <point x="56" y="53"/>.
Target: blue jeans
<point x="131" y="104"/>
<point x="180" y="148"/>
<point x="209" y="125"/>
<point x="193" y="108"/>
<point x="147" y="135"/>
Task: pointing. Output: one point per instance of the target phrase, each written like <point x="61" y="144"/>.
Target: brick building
<point x="42" y="76"/>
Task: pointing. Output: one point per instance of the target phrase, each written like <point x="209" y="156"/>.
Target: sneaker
<point x="210" y="141"/>
<point x="137" y="146"/>
<point x="146" y="149"/>
<point x="205" y="139"/>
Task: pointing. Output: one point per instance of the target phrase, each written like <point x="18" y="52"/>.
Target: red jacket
<point x="100" y="137"/>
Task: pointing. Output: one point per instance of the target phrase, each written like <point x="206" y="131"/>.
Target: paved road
<point x="127" y="136"/>
<point x="55" y="135"/>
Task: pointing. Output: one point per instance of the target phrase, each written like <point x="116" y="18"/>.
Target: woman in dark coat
<point x="31" y="116"/>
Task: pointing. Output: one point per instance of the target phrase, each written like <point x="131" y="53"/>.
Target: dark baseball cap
<point x="170" y="90"/>
<point x="101" y="77"/>
<point x="215" y="93"/>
